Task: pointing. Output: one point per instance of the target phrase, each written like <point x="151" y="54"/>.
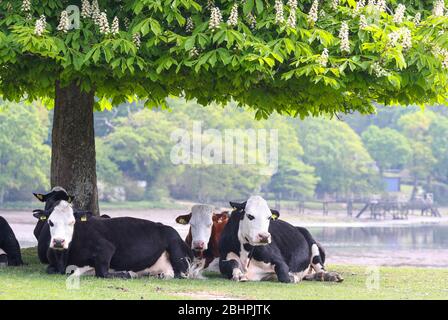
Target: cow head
<point x="62" y="221"/>
<point x="56" y="194"/>
<point x="201" y="220"/>
<point x="255" y="219"/>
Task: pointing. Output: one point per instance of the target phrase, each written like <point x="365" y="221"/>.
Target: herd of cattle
<point x="248" y="244"/>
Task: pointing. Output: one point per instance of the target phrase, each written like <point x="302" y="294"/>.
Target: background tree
<point x="24" y="158"/>
<point x="286" y="58"/>
<point x="389" y="148"/>
<point x="416" y="127"/>
<point x="339" y="157"/>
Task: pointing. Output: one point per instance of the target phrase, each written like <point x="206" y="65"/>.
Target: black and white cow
<point x="117" y="247"/>
<point x="10" y="254"/>
<point x="256" y="246"/>
<point x="42" y="229"/>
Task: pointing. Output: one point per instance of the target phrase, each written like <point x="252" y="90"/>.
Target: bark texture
<point x="73" y="163"/>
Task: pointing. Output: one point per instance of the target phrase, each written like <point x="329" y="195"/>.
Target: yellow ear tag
<point x="43" y="218"/>
<point x="84" y="218"/>
<point x="39" y="196"/>
<point x="182" y="221"/>
<point x="273" y="217"/>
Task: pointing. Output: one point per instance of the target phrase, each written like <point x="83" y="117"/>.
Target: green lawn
<point x="31" y="282"/>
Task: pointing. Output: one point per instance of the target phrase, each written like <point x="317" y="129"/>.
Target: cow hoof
<point x="3" y="260"/>
<point x="293" y="278"/>
<point x="240" y="278"/>
<point x="334" y="277"/>
<point x="52" y="270"/>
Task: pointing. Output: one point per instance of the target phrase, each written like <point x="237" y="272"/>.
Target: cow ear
<point x="275" y="214"/>
<point x="221" y="217"/>
<point x="70" y="199"/>
<point x="41" y="197"/>
<point x="82" y="215"/>
<point x="185" y="219"/>
<point x="40" y="214"/>
<point x="238" y="206"/>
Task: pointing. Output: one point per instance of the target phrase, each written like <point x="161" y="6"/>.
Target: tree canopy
<point x="299" y="57"/>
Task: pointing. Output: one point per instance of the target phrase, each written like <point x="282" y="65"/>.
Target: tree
<point x="439" y="147"/>
<point x="341" y="162"/>
<point x="389" y="148"/>
<point x="24" y="158"/>
<point x="294" y="179"/>
<point x="299" y="59"/>
<point x="416" y="127"/>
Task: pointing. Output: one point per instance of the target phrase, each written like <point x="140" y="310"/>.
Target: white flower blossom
<point x="394" y="37"/>
<point x="343" y="35"/>
<point x="417" y="18"/>
<point x="402" y="36"/>
<point x="233" y="18"/>
<point x="115" y="28"/>
<point x="210" y="4"/>
<point x="335" y="4"/>
<point x="40" y="26"/>
<point x="439" y="8"/>
<point x="292" y="18"/>
<point x="314" y="11"/>
<point x="194" y="52"/>
<point x="64" y="22"/>
<point x="381" y="5"/>
<point x="399" y="13"/>
<point x="279" y="16"/>
<point x="323" y="59"/>
<point x="359" y="5"/>
<point x="215" y="18"/>
<point x="126" y="22"/>
<point x="251" y="20"/>
<point x="189" y="26"/>
<point x="95" y="12"/>
<point x="378" y="70"/>
<point x="406" y="38"/>
<point x="136" y="39"/>
<point x="86" y="11"/>
<point x="362" y="21"/>
<point x="103" y="23"/>
<point x="443" y="54"/>
<point x="371" y="3"/>
<point x="26" y="6"/>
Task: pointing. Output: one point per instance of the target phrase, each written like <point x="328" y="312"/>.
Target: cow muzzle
<point x="264" y="238"/>
<point x="198" y="248"/>
<point x="58" y="244"/>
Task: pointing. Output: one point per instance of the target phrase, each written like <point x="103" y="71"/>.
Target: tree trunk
<point x="73" y="164"/>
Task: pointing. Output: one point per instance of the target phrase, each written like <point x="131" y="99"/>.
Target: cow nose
<point x="264" y="237"/>
<point x="58" y="243"/>
<point x="199" y="245"/>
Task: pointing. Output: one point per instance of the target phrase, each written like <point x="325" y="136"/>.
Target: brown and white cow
<point x="206" y="228"/>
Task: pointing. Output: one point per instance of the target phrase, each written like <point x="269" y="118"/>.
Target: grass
<point x="31" y="282"/>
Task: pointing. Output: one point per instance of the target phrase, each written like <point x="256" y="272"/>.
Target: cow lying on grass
<point x="117" y="247"/>
<point x="204" y="234"/>
<point x="10" y="254"/>
<point x="256" y="246"/>
<point x="42" y="229"/>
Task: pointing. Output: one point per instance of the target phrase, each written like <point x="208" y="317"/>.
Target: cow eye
<point x="250" y="217"/>
<point x="51" y="223"/>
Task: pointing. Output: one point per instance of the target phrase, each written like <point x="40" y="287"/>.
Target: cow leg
<point x="3" y="259"/>
<point x="179" y="258"/>
<point x="318" y="266"/>
<point x="231" y="270"/>
<point x="102" y="263"/>
<point x="282" y="272"/>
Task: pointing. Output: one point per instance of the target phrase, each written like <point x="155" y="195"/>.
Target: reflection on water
<point x="401" y="237"/>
